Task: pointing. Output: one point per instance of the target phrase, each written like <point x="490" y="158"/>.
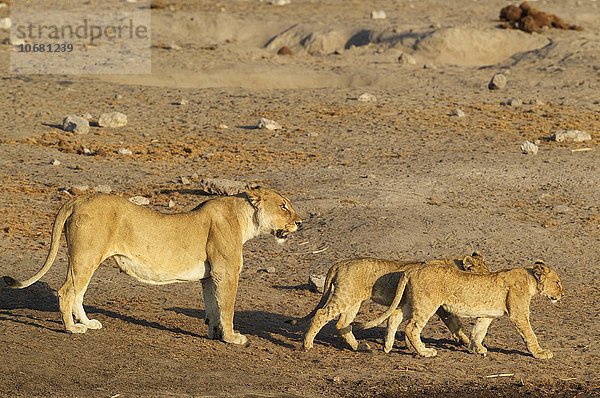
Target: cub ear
<point x="539" y="269"/>
<point x="468" y="263"/>
<point x="254" y="196"/>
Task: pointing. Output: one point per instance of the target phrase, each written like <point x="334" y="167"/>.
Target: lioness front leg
<point x="225" y="292"/>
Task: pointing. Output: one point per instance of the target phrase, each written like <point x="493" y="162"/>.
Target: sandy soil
<point x="398" y="178"/>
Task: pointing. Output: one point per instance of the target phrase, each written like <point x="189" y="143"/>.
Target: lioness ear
<point x="253" y="196"/>
<point x="468" y="262"/>
<point x="476" y="253"/>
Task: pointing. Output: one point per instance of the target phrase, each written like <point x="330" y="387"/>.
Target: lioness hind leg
<point x="66" y="299"/>
<point x="344" y="327"/>
<point x="81" y="284"/>
<point x="215" y="330"/>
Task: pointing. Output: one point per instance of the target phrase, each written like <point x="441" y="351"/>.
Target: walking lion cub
<point x="485" y="297"/>
<point x="349" y="283"/>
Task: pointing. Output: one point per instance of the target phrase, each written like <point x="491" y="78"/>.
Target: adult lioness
<point x="203" y="244"/>
<point x="484" y="297"/>
<point x="349" y="283"/>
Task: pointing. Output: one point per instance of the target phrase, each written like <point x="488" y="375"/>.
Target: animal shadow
<point x="38" y="297"/>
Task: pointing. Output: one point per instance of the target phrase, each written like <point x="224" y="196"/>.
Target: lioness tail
<point x="63" y="214"/>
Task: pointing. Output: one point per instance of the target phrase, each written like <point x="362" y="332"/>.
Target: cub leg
<point x="454" y="325"/>
<point x="412" y="333"/>
<point x="478" y="334"/>
<point x="392" y="326"/>
<point x="333" y="308"/>
<point x="344" y="327"/>
<point x="211" y="317"/>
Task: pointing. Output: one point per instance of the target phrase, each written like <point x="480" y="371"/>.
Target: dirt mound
<point x="467" y="46"/>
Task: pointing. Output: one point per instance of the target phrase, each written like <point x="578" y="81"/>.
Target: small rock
<point x="103" y="188"/>
<point x="366" y="97"/>
<point x="3" y="5"/>
<point x="124" y="151"/>
<point x="498" y="82"/>
<point x="139" y="200"/>
<point x="173" y="46"/>
<point x="268" y="124"/>
<point x="182" y="101"/>
<point x="78" y="189"/>
<point x="223" y="126"/>
<point x="5" y="23"/>
<point x="88" y="152"/>
<point x="268" y="270"/>
<point x="457" y="112"/>
<point x="55" y="162"/>
<point x="280" y="2"/>
<point x="529" y="148"/>
<point x="171" y="204"/>
<point x="336" y="379"/>
<point x="316" y="283"/>
<point x="378" y="14"/>
<point x="17" y="41"/>
<point x="406" y="59"/>
<point x="562" y="209"/>
<point x="571" y="135"/>
<point x="184" y="180"/>
<point x="285" y="50"/>
<point x="112" y="119"/>
<point x="429" y="66"/>
<point x="76" y="124"/>
<point x="512" y="102"/>
<point x="118" y="96"/>
<point x="535" y="101"/>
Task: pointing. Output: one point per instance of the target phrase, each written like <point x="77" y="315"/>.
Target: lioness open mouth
<point x="281" y="234"/>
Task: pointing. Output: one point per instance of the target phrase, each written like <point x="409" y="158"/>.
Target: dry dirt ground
<point x="398" y="178"/>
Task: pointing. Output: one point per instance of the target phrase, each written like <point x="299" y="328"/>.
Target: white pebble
<point x="571" y="135"/>
<point x="112" y="119"/>
<point x="378" y="14"/>
<point x="103" y="188"/>
<point x="457" y="112"/>
<point x="124" y="151"/>
<point x="529" y="148"/>
<point x="55" y="162"/>
<point x="366" y="97"/>
<point x="5" y="23"/>
<point x="139" y="200"/>
<point x="268" y="124"/>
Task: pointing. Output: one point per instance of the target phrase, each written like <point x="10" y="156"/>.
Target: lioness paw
<point x="77" y="328"/>
<point x="544" y="354"/>
<point x="93" y="324"/>
<point x="428" y="352"/>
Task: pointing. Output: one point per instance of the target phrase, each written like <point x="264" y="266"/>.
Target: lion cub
<point x="484" y="297"/>
<point x="349" y="283"/>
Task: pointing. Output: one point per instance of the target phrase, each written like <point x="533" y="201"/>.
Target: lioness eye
<point x="284" y="207"/>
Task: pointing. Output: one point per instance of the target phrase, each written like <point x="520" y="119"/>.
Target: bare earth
<point x="398" y="178"/>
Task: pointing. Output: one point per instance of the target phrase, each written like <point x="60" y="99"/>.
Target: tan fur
<point x="203" y="244"/>
<point x="484" y="297"/>
<point x="349" y="283"/>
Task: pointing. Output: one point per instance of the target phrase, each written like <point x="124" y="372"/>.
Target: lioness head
<point x="548" y="281"/>
<point x="475" y="263"/>
<point x="274" y="212"/>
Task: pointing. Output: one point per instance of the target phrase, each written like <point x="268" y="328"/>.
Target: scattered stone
<point x="5" y="23"/>
<point x="366" y="97"/>
<point x="280" y="2"/>
<point x="184" y="180"/>
<point x="173" y="46"/>
<point x="171" y="204"/>
<point x="268" y="124"/>
<point x="457" y="112"/>
<point x="182" y="101"/>
<point x="139" y="200"/>
<point x="498" y="82"/>
<point x="222" y="186"/>
<point x="112" y="119"/>
<point x="535" y="101"/>
<point x="78" y="189"/>
<point x="76" y="124"/>
<point x="316" y="283"/>
<point x="55" y="162"/>
<point x="285" y="50"/>
<point x="223" y="126"/>
<point x="17" y="42"/>
<point x="87" y="151"/>
<point x="124" y="151"/>
<point x="406" y="59"/>
<point x="195" y="176"/>
<point x="118" y="96"/>
<point x="378" y="14"/>
<point x="429" y="66"/>
<point x="336" y="379"/>
<point x="571" y="135"/>
<point x="515" y="102"/>
<point x="103" y="188"/>
<point x="529" y="148"/>
<point x="268" y="270"/>
<point x="562" y="209"/>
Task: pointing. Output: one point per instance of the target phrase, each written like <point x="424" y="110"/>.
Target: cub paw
<point x="93" y="324"/>
<point x="544" y="354"/>
<point x="478" y="349"/>
<point x="363" y="347"/>
<point x="428" y="352"/>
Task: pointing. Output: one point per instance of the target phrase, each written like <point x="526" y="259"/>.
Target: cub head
<point x="475" y="264"/>
<point x="548" y="282"/>
<point x="274" y="212"/>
